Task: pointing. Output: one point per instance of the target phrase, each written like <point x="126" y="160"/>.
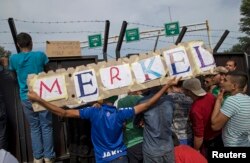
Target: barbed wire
<point x="100" y="21"/>
<point x="223" y="49"/>
<point x="213" y="36"/>
<point x="4" y="32"/>
<point x="145" y="25"/>
<point x="223" y="30"/>
<point x="224" y="43"/>
<point x="74" y="32"/>
<point x="150" y="39"/>
<point x="14" y="43"/>
<point x="6" y="43"/>
<point x="60" y="22"/>
<point x="65" y="32"/>
<point x="147" y="39"/>
<point x="136" y="49"/>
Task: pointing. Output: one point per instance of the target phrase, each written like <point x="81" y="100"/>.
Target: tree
<point x="4" y="53"/>
<point x="244" y="42"/>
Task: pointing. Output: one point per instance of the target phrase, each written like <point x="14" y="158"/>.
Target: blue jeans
<point x="186" y="142"/>
<point x="41" y="131"/>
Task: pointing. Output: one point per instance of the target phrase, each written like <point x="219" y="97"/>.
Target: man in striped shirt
<point x="233" y="117"/>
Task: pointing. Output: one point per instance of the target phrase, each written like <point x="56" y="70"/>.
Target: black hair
<point x="238" y="77"/>
<point x="24" y="40"/>
<point x="111" y="99"/>
<point x="179" y="84"/>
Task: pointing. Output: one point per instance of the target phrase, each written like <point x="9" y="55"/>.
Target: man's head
<point x="176" y="88"/>
<point x="192" y="87"/>
<point x="110" y="100"/>
<point x="234" y="82"/>
<point x="219" y="75"/>
<point x="208" y="81"/>
<point x="231" y="65"/>
<point x="24" y="41"/>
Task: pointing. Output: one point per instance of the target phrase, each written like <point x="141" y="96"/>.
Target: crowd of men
<point x="177" y="122"/>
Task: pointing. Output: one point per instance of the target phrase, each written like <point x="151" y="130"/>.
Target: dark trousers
<point x="166" y="158"/>
<point x="3" y="125"/>
<point x="135" y="154"/>
<point x="215" y="142"/>
<point x="121" y="159"/>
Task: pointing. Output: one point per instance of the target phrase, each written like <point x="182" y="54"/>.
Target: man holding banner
<point x="106" y="123"/>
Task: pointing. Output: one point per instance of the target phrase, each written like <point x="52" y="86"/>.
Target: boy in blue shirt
<point x="33" y="62"/>
<point x="106" y="123"/>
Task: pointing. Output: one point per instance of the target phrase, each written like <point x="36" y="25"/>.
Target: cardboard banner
<point x="63" y="48"/>
<point x="99" y="81"/>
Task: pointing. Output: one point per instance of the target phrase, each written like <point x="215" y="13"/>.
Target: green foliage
<point x="236" y="48"/>
<point x="4" y="53"/>
<point x="244" y="42"/>
<point x="245" y="20"/>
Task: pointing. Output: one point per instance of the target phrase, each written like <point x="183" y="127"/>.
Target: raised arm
<point x="144" y="106"/>
<point x="218" y="119"/>
<point x="53" y="108"/>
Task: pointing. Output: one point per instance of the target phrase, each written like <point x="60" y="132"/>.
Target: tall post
<point x="13" y="32"/>
<point x="208" y="34"/>
<point x="20" y="117"/>
<point x="106" y="37"/>
<point x="181" y="35"/>
<point x="120" y="39"/>
<point x="223" y="37"/>
<point x="170" y="17"/>
<point x="156" y="41"/>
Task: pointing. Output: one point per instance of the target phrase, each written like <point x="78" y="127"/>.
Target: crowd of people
<point x="177" y="122"/>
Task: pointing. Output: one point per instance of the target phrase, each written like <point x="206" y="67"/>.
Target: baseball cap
<point x="220" y="70"/>
<point x="194" y="85"/>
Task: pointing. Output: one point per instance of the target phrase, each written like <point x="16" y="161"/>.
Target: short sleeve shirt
<point x="26" y="63"/>
<point x="106" y="130"/>
<point x="237" y="130"/>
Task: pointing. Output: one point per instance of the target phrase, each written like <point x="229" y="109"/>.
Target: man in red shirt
<point x="200" y="116"/>
<point x="185" y="154"/>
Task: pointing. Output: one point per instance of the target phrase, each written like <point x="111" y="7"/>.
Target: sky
<point x="75" y="20"/>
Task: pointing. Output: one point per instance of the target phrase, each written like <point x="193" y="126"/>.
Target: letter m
<point x="55" y="83"/>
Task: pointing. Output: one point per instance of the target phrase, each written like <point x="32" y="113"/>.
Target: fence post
<point x="13" y="32"/>
<point x="120" y="40"/>
<point x="223" y="37"/>
<point x="106" y="37"/>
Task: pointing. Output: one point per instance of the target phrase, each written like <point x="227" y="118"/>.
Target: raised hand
<point x="221" y="94"/>
<point x="174" y="81"/>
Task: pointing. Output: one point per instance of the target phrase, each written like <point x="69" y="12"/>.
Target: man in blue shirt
<point x="106" y="123"/>
<point x="157" y="135"/>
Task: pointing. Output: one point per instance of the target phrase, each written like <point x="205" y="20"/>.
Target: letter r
<point x="116" y="74"/>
